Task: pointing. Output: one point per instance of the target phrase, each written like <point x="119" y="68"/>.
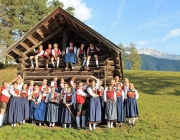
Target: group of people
<point x="69" y="103"/>
<point x="69" y="56"/>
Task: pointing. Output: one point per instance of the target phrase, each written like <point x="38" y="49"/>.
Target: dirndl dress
<point x="40" y="111"/>
<point x="131" y="107"/>
<point x="15" y="110"/>
<point x="70" y="57"/>
<point x="120" y="109"/>
<point x="67" y="118"/>
<point x="110" y="110"/>
<point x="25" y="107"/>
<point x="31" y="109"/>
<point x="94" y="110"/>
<point x="52" y="112"/>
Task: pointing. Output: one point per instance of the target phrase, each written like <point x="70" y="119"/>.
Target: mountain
<point x="153" y="63"/>
<point x="158" y="54"/>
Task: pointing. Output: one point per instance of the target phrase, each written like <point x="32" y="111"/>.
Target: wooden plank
<point x="40" y="33"/>
<point x="45" y="39"/>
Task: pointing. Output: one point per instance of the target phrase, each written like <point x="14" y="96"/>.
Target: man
<point x="55" y="55"/>
<point x="47" y="54"/>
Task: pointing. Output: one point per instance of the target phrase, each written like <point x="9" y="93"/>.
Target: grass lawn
<point x="159" y="107"/>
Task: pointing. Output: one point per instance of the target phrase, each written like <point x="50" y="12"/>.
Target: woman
<point x="131" y="104"/>
<point x="70" y="56"/>
<point x="68" y="109"/>
<point x="110" y="110"/>
<point x="120" y="104"/>
<point x="52" y="107"/>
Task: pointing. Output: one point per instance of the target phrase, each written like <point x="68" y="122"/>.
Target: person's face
<point x="49" y="46"/>
<point x="44" y="82"/>
<point x="82" y="46"/>
<point x="65" y="85"/>
<point x="36" y="88"/>
<point x="71" y="44"/>
<point x="24" y="86"/>
<point x="117" y="78"/>
<point x="44" y="90"/>
<point x="101" y="83"/>
<point x="62" y="81"/>
<point x="119" y="86"/>
<point x="93" y="83"/>
<point x="5" y="85"/>
<point x="18" y="81"/>
<point x="31" y="83"/>
<point x="131" y="86"/>
<point x="80" y="85"/>
<point x="15" y="86"/>
<point x="40" y="47"/>
<point x="55" y="78"/>
<point x="91" y="45"/>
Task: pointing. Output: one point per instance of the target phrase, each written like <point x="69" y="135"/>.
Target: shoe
<point x="97" y="66"/>
<point x="14" y="125"/>
<point x="115" y="125"/>
<point x="44" y="124"/>
<point x="72" y="68"/>
<point x="24" y="122"/>
<point x="53" y="124"/>
<point x="57" y="67"/>
<point x="66" y="68"/>
<point x="37" y="67"/>
<point x="32" y="67"/>
<point x="50" y="124"/>
<point x="120" y="125"/>
<point x="39" y="124"/>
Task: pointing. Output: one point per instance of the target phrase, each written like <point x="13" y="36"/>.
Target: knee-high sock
<point x="78" y="121"/>
<point x="1" y="119"/>
<point x="83" y="121"/>
<point x="66" y="64"/>
<point x="87" y="63"/>
<point x="96" y="62"/>
<point x="129" y="120"/>
<point x="94" y="126"/>
<point x="37" y="63"/>
<point x="71" y="65"/>
<point x="31" y="62"/>
<point x="84" y="61"/>
<point x="133" y="120"/>
<point x="90" y="127"/>
<point x="53" y="63"/>
<point x="57" y="63"/>
<point x="108" y="124"/>
<point x="111" y="124"/>
<point x="4" y="116"/>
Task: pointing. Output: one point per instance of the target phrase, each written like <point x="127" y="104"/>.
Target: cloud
<point x="119" y="12"/>
<point x="172" y="34"/>
<point x="158" y="22"/>
<point x="82" y="12"/>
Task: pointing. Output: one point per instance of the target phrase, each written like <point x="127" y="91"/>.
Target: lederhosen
<point x="47" y="54"/>
<point x="92" y="51"/>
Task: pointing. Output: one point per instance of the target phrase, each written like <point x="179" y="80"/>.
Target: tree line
<point x="130" y="57"/>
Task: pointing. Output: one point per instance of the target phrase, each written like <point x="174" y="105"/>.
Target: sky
<point x="146" y="23"/>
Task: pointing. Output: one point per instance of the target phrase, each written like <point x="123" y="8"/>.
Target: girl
<point x="40" y="109"/>
<point x="15" y="106"/>
<point x="70" y="56"/>
<point x="25" y="103"/>
<point x="119" y="104"/>
<point x="68" y="101"/>
<point x="110" y="110"/>
<point x="54" y="83"/>
<point x="131" y="104"/>
<point x="52" y="107"/>
<point x="33" y="100"/>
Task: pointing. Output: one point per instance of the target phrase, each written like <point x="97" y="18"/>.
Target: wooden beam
<point x="45" y="39"/>
<point x="9" y="56"/>
<point x="30" y="39"/>
<point x="26" y="47"/>
<point x="40" y="33"/>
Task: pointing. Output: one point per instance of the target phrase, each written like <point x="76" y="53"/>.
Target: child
<point x="61" y="83"/>
<point x="110" y="110"/>
<point x="44" y="85"/>
<point x="131" y="104"/>
<point x="81" y="54"/>
<point x="67" y="116"/>
<point x="15" y="108"/>
<point x="119" y="104"/>
<point x="54" y="83"/>
<point x="40" y="109"/>
<point x="33" y="100"/>
<point x="52" y="107"/>
<point x="25" y="103"/>
<point x="70" y="56"/>
<point x="92" y="51"/>
<point x="47" y="54"/>
<point x="117" y="81"/>
<point x="40" y="54"/>
<point x="55" y="55"/>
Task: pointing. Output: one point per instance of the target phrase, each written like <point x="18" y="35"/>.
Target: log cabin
<point x="60" y="27"/>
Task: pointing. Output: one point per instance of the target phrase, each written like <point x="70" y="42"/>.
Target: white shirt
<point x="11" y="91"/>
<point x="67" y="49"/>
<point x="5" y="92"/>
<point x="52" y="83"/>
<point x="41" y="52"/>
<point x="53" y="52"/>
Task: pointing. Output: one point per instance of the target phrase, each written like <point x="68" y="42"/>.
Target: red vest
<point x="36" y="95"/>
<point x="110" y="95"/>
<point x="3" y="98"/>
<point x="92" y="50"/>
<point x="68" y="98"/>
<point x="47" y="88"/>
<point x="118" y="93"/>
<point x="70" y="50"/>
<point x="42" y="56"/>
<point x="100" y="92"/>
<point x="24" y="93"/>
<point x="131" y="94"/>
<point x="81" y="52"/>
<point x="55" y="96"/>
<point x="16" y="91"/>
<point x="122" y="88"/>
<point x="80" y="99"/>
<point x="43" y="98"/>
<point x="57" y="52"/>
<point x="47" y="52"/>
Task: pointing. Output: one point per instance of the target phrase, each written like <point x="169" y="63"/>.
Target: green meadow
<point x="159" y="108"/>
